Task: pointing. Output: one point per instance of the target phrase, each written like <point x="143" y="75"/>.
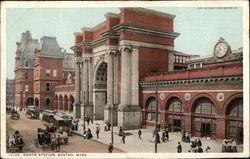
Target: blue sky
<point x="200" y="28"/>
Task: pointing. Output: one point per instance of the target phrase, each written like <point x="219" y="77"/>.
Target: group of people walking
<point x="229" y="146"/>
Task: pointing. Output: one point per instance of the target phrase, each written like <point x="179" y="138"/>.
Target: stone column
<point x="129" y="112"/>
<point x="76" y="105"/>
<point x="111" y="108"/>
<point x="85" y="89"/>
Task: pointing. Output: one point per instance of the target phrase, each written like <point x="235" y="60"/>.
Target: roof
<point x="62" y="116"/>
<point x="49" y="47"/>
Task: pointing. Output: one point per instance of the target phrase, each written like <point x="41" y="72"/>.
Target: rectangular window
<point x="191" y="66"/>
<point x="197" y="126"/>
<point x="26" y="88"/>
<point x="47" y="73"/>
<point x="47" y="86"/>
<point x="54" y="73"/>
<point x="233" y="132"/>
<point x="213" y="128"/>
<point x="198" y="65"/>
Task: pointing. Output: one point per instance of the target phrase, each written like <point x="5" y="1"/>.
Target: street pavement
<point x="28" y="129"/>
<point x="146" y="145"/>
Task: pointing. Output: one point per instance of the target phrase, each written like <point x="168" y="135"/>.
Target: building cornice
<point x="149" y="11"/>
<point x="145" y="31"/>
<point x="236" y="80"/>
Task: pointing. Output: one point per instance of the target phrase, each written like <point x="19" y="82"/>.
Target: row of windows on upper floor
<point x="47" y="73"/>
<point x="47" y="87"/>
<point x="180" y="59"/>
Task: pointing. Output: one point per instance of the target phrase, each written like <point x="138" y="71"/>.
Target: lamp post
<point x="156" y="116"/>
<point x="112" y="105"/>
<point x="84" y="111"/>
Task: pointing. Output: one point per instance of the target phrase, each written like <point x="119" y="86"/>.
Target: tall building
<point x="40" y="65"/>
<point x="10" y="92"/>
<point x="126" y="66"/>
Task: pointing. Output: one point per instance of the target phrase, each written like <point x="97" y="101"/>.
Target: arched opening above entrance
<point x="235" y="120"/>
<point x="71" y="102"/>
<point x="174" y="116"/>
<point x="204" y="123"/>
<point x="30" y="101"/>
<point x="150" y="110"/>
<point x="100" y="91"/>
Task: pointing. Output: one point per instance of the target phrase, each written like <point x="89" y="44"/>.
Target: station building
<point x="39" y="67"/>
<point x="127" y="64"/>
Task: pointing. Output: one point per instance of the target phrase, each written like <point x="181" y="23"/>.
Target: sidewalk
<point x="145" y="145"/>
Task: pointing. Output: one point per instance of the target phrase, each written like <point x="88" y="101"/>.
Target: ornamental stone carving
<point x="162" y="96"/>
<point x="187" y="96"/>
<point x="220" y="97"/>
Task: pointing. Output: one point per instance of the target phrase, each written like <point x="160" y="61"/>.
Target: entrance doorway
<point x="205" y="130"/>
<point x="240" y="141"/>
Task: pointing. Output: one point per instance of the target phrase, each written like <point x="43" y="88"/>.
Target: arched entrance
<point x="174" y="115"/>
<point x="65" y="107"/>
<point x="150" y="111"/>
<point x="60" y="102"/>
<point x="30" y="101"/>
<point x="37" y="102"/>
<point x="204" y="118"/>
<point x="71" y="102"/>
<point x="56" y="103"/>
<point x="235" y="120"/>
<point x="100" y="91"/>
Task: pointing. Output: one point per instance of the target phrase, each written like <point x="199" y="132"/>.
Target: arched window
<point x="204" y="106"/>
<point x="152" y="104"/>
<point x="47" y="101"/>
<point x="150" y="109"/>
<point x="235" y="120"/>
<point x="175" y="105"/>
<point x="204" y="120"/>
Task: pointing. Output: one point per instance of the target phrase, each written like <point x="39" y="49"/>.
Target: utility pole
<point x="156" y="116"/>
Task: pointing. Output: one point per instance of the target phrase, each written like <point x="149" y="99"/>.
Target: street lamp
<point x="156" y="116"/>
<point x="112" y="105"/>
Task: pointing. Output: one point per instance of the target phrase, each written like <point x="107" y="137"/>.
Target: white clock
<point x="221" y="49"/>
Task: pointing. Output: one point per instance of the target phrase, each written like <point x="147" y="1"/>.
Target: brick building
<point x="10" y="92"/>
<point x="121" y="62"/>
<point x="40" y="66"/>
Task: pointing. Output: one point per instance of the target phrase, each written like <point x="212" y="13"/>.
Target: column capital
<point x="112" y="52"/>
<point x="87" y="59"/>
<point x="126" y="48"/>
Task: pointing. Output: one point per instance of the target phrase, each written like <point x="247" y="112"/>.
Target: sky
<point x="199" y="28"/>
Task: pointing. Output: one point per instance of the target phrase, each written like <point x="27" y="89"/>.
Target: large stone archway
<point x="100" y="91"/>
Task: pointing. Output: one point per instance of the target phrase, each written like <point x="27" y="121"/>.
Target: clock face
<point x="221" y="49"/>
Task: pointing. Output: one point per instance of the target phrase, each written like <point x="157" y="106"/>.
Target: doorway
<point x="205" y="130"/>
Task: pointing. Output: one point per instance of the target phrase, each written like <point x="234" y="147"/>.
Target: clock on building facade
<point x="221" y="48"/>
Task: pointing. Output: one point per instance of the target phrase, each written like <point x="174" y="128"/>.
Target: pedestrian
<point x="200" y="150"/>
<point x="76" y="125"/>
<point x="183" y="139"/>
<point x="106" y="127"/>
<point x="97" y="132"/>
<point x="208" y="149"/>
<point x="167" y="135"/>
<point x="199" y="144"/>
<point x="139" y="133"/>
<point x="224" y="145"/>
<point x="123" y="137"/>
<point x="234" y="146"/>
<point x="88" y="120"/>
<point x="229" y="146"/>
<point x="109" y="125"/>
<point x="157" y="138"/>
<point x="110" y="148"/>
<point x="163" y="136"/>
<point x="58" y="142"/>
<point x="179" y="148"/>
